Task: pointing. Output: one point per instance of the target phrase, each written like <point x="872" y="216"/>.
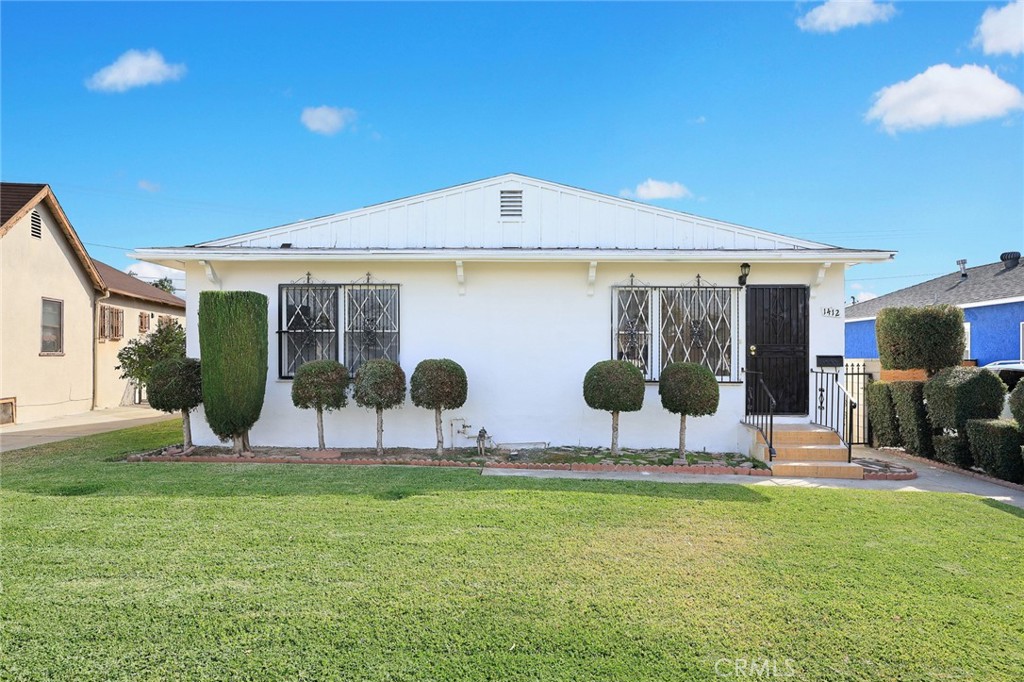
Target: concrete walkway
<point x="929" y="479"/>
<point x="17" y="436"/>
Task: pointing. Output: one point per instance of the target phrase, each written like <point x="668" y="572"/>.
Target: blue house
<point x="991" y="296"/>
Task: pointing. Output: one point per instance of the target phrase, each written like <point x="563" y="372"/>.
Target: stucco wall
<point x="32" y="269"/>
<point x="860" y="339"/>
<point x="995" y="331"/>
<point x="995" y="334"/>
<point x="111" y="390"/>
<point x="526" y="334"/>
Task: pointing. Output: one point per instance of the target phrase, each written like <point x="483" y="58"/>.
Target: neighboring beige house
<point x="133" y="309"/>
<point x="52" y="298"/>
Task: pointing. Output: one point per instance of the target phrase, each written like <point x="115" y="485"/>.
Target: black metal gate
<point x="857" y="381"/>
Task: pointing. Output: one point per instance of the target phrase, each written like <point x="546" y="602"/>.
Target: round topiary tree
<point x="1017" y="404"/>
<point x="380" y="384"/>
<point x="233" y="347"/>
<point x="320" y="385"/>
<point x="438" y="385"/>
<point x="614" y="386"/>
<point x="176" y="385"/>
<point x="688" y="389"/>
<point x="929" y="338"/>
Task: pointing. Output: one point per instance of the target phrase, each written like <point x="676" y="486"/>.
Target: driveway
<point x="929" y="479"/>
<point x="17" y="436"/>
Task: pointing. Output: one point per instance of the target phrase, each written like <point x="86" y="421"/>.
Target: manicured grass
<point x="221" y="571"/>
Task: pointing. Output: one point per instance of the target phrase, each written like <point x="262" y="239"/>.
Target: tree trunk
<point x="237" y="445"/>
<point x="380" y="432"/>
<point x="682" y="435"/>
<point x="245" y="443"/>
<point x="440" y="433"/>
<point x="186" y="429"/>
<point x="320" y="427"/>
<point x="615" y="434"/>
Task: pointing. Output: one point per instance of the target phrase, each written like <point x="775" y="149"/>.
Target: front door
<point x="777" y="343"/>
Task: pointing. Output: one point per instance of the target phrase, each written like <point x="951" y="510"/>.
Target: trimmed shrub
<point x="928" y="338"/>
<point x="996" y="446"/>
<point x="953" y="449"/>
<point x="957" y="394"/>
<point x="885" y="429"/>
<point x="380" y="384"/>
<point x="233" y="348"/>
<point x="688" y="389"/>
<point x="1017" y="404"/>
<point x="438" y="385"/>
<point x="176" y="386"/>
<point x="614" y="386"/>
<point x="915" y="429"/>
<point x="320" y="385"/>
<point x="137" y="358"/>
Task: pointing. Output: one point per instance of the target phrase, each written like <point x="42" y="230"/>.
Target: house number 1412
<point x="830" y="312"/>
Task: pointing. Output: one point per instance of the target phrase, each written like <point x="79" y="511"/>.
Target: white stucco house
<point x="527" y="283"/>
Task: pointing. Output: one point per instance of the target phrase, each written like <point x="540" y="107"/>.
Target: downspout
<point x="96" y="346"/>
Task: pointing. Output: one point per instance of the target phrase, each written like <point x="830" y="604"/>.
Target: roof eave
<point x="181" y="255"/>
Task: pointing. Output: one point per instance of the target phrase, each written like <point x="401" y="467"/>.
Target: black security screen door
<point x="777" y="343"/>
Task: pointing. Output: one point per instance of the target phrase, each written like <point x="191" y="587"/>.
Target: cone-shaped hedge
<point x="320" y="385"/>
<point x="438" y="385"/>
<point x="176" y="385"/>
<point x="928" y="338"/>
<point x="380" y="384"/>
<point x="688" y="389"/>
<point x="614" y="386"/>
<point x="233" y="347"/>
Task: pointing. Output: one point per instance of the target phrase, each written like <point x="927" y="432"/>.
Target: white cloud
<point x="149" y="186"/>
<point x="1001" y="31"/>
<point x="835" y="15"/>
<point x="327" y="120"/>
<point x="856" y="286"/>
<point x="657" y="189"/>
<point x="945" y="96"/>
<point x="134" y="69"/>
<point x="151" y="272"/>
<point x="865" y="296"/>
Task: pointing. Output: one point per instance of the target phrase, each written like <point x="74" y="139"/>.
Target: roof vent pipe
<point x="963" y="268"/>
<point x="1011" y="259"/>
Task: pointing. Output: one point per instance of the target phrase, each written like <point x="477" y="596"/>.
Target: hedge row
<point x="915" y="429"/>
<point x="885" y="428"/>
<point x="996" y="444"/>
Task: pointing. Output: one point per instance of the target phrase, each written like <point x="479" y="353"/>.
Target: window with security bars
<point x="351" y="323"/>
<point x="655" y="326"/>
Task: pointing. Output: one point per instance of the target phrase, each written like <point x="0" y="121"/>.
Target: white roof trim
<point x="212" y="254"/>
<point x="555" y="215"/>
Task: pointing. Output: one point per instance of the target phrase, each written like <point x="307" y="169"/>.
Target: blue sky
<point x="168" y="124"/>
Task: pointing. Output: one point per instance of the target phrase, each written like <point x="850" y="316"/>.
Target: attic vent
<point x="511" y="203"/>
<point x="37" y="225"/>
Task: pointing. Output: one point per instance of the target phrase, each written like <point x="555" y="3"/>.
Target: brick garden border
<point x="958" y="470"/>
<point x="698" y="469"/>
<point x="158" y="456"/>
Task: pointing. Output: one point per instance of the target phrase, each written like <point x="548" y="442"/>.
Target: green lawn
<point x="280" y="572"/>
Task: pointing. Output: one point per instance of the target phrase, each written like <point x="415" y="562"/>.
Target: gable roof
<point x="509" y="216"/>
<point x="125" y="285"/>
<point x="18" y="198"/>
<point x="984" y="283"/>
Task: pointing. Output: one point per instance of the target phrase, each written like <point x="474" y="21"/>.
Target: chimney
<point x="963" y="268"/>
<point x="1011" y="259"/>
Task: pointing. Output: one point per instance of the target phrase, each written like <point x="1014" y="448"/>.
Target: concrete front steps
<point x="809" y="451"/>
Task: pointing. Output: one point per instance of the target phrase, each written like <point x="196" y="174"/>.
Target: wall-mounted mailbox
<point x="830" y="361"/>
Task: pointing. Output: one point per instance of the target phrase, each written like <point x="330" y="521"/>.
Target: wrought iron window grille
<point x="352" y="322"/>
<point x="697" y="322"/>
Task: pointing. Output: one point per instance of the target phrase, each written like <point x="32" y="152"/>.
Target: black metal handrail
<point x="761" y="410"/>
<point x="834" y="409"/>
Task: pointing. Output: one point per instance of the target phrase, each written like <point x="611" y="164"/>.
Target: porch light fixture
<point x="744" y="272"/>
